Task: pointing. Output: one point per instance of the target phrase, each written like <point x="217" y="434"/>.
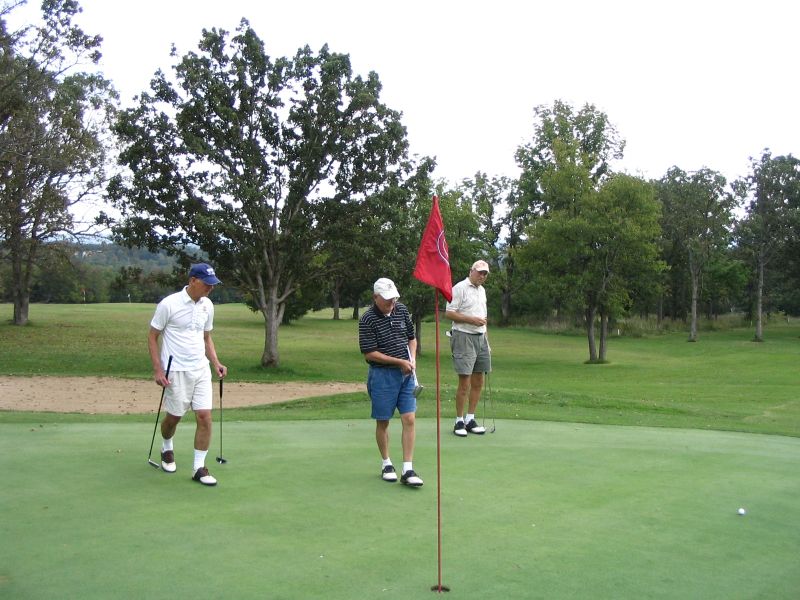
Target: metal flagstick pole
<point x="439" y="587"/>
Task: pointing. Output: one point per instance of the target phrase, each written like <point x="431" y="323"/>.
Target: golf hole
<point x="436" y="588"/>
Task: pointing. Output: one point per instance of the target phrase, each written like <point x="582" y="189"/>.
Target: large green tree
<point x="241" y="155"/>
<point x="496" y="202"/>
<point x="772" y="195"/>
<point x="52" y="135"/>
<point x="587" y="134"/>
<point x="591" y="242"/>
<point x="372" y="237"/>
<point x="600" y="252"/>
<point x="697" y="220"/>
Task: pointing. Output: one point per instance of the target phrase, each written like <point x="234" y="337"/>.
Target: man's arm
<point x="456" y="316"/>
<point x="406" y="366"/>
<point x="155" y="357"/>
<point x="211" y="354"/>
<point x="412" y="352"/>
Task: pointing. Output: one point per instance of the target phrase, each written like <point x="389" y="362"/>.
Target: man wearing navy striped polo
<point x="386" y="338"/>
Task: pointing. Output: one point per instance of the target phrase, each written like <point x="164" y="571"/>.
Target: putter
<point x="417" y="387"/>
<point x="220" y="460"/>
<point x="150" y="461"/>
<point x="491" y="403"/>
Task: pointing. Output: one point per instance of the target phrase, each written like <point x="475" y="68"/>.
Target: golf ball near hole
<point x="742" y="511"/>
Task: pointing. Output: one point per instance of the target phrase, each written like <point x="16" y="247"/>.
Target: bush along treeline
<point x="73" y="273"/>
<point x="293" y="177"/>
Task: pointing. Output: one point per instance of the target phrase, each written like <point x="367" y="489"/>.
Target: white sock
<point x="199" y="458"/>
<point x="166" y="444"/>
<point x="459" y="419"/>
<point x="470" y="417"/>
<point x="406" y="467"/>
<point x="386" y="462"/>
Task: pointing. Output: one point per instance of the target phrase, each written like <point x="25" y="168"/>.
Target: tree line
<point x="294" y="179"/>
<point x="91" y="272"/>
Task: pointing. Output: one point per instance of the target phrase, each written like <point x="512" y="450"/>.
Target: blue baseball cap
<point x="204" y="272"/>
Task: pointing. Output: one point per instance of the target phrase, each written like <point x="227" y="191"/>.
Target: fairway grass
<point x="536" y="510"/>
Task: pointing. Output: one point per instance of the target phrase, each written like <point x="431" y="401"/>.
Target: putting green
<point x="535" y="510"/>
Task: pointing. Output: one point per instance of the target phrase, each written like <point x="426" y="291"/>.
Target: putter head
<point x="418" y="390"/>
<point x="221" y="460"/>
<point x="153" y="464"/>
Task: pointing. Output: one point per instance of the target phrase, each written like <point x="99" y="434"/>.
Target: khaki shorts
<point x="188" y="389"/>
<point x="470" y="353"/>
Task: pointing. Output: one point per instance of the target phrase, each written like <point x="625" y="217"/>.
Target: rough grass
<point x="724" y="381"/>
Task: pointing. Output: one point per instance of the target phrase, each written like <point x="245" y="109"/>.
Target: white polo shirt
<point x="468" y="300"/>
<point x="183" y="323"/>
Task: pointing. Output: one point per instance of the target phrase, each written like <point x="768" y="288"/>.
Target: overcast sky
<point x="687" y="83"/>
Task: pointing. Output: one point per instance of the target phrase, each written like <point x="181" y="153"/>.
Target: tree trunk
<point x="20" y="282"/>
<point x="272" y="313"/>
<point x="335" y="298"/>
<point x="21" y="307"/>
<point x="759" y="337"/>
<point x="603" y="336"/>
<point x="505" y="306"/>
<point x="355" y="312"/>
<point x="695" y="293"/>
<point x="590" y="314"/>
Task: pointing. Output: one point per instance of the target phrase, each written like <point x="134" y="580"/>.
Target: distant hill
<point x="116" y="256"/>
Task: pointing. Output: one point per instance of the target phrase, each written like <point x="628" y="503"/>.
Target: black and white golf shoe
<point x="410" y="478"/>
<point x="389" y="474"/>
<point x="202" y="475"/>
<point x="460" y="429"/>
<point x="473" y="427"/>
<point x="168" y="461"/>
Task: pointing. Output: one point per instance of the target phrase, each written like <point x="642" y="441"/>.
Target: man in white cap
<point x="182" y="324"/>
<point x="387" y="341"/>
<point x="472" y="356"/>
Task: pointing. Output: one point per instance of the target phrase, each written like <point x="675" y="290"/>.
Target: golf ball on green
<point x="742" y="511"/>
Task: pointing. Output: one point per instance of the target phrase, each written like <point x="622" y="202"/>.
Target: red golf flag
<point x="433" y="260"/>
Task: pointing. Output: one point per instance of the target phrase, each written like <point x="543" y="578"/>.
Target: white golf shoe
<point x="411" y="478"/>
<point x="389" y="474"/>
<point x="202" y="475"/>
<point x="168" y="461"/>
<point x="460" y="429"/>
<point x="473" y="427"/>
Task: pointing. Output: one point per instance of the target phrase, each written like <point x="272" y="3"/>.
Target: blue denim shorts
<point x="389" y="389"/>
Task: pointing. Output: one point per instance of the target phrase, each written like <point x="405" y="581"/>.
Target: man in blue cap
<point x="183" y="321"/>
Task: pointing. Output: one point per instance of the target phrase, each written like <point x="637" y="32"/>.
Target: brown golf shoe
<point x="202" y="475"/>
<point x="168" y="461"/>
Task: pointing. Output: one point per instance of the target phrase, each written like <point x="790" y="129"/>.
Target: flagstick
<point x="433" y="268"/>
<point x="438" y="588"/>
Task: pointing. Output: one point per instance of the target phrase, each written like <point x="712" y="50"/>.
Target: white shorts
<point x="188" y="389"/>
